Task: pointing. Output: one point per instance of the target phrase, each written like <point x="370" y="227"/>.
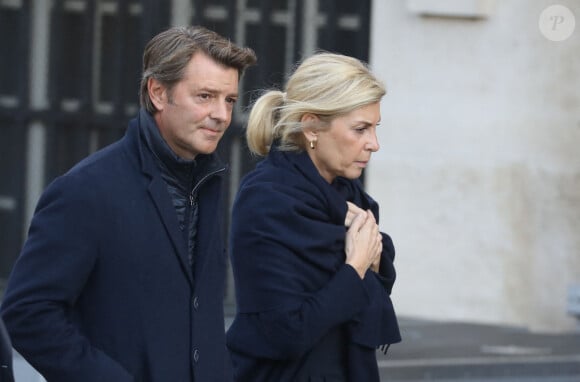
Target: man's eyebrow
<point x="215" y="91"/>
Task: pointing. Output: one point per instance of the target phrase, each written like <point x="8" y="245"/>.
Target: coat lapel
<point x="160" y="196"/>
<point x="158" y="192"/>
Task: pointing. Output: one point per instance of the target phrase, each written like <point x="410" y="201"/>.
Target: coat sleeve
<point x="376" y="324"/>
<point x="289" y="332"/>
<point x="55" y="264"/>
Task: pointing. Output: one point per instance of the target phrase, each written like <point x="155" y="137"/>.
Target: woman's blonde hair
<point x="326" y="84"/>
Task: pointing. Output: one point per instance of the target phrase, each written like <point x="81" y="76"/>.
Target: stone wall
<point x="478" y="176"/>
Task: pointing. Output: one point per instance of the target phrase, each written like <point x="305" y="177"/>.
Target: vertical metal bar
<point x="235" y="161"/>
<point x="181" y="12"/>
<point x="290" y="37"/>
<point x="240" y="29"/>
<point x="309" y="27"/>
<point x="299" y="30"/>
<point x="239" y="33"/>
<point x="86" y="97"/>
<point x="35" y="169"/>
<point x="97" y="55"/>
<point x="39" y="54"/>
<point x="36" y="140"/>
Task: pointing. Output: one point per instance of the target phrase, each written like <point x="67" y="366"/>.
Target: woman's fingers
<point x="364" y="242"/>
<point x="351" y="213"/>
<point x="357" y="222"/>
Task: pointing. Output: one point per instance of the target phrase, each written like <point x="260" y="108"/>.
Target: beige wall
<point x="478" y="176"/>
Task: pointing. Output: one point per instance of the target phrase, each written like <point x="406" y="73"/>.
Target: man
<point x="121" y="277"/>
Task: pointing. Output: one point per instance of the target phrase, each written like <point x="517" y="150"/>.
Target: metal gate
<point x="70" y="72"/>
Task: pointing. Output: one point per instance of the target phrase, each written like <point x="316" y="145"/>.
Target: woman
<point x="313" y="273"/>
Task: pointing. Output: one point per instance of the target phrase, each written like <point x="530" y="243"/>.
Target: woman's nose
<point x="373" y="144"/>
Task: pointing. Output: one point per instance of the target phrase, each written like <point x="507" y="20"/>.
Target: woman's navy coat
<point x="292" y="284"/>
<point x="102" y="289"/>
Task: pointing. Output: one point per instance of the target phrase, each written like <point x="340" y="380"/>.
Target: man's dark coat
<point x="103" y="290"/>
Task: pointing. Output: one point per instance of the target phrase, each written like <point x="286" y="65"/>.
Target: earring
<point x="313" y="144"/>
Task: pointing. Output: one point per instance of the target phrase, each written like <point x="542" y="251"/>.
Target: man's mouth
<point x="211" y="131"/>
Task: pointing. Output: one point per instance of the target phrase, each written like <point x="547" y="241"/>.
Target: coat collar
<point x="157" y="188"/>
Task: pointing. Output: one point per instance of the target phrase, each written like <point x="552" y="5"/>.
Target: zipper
<point x="201" y="181"/>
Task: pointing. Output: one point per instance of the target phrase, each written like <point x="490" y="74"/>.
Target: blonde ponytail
<point x="262" y="121"/>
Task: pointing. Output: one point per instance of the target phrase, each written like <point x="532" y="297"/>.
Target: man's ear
<point x="309" y="123"/>
<point x="157" y="93"/>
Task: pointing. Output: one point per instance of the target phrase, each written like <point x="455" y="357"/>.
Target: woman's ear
<point x="309" y="123"/>
<point x="157" y="93"/>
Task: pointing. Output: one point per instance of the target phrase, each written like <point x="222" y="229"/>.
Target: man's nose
<point x="221" y="111"/>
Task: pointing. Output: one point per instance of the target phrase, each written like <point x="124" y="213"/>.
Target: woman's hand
<point x="363" y="244"/>
<point x="375" y="266"/>
<point x="351" y="213"/>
